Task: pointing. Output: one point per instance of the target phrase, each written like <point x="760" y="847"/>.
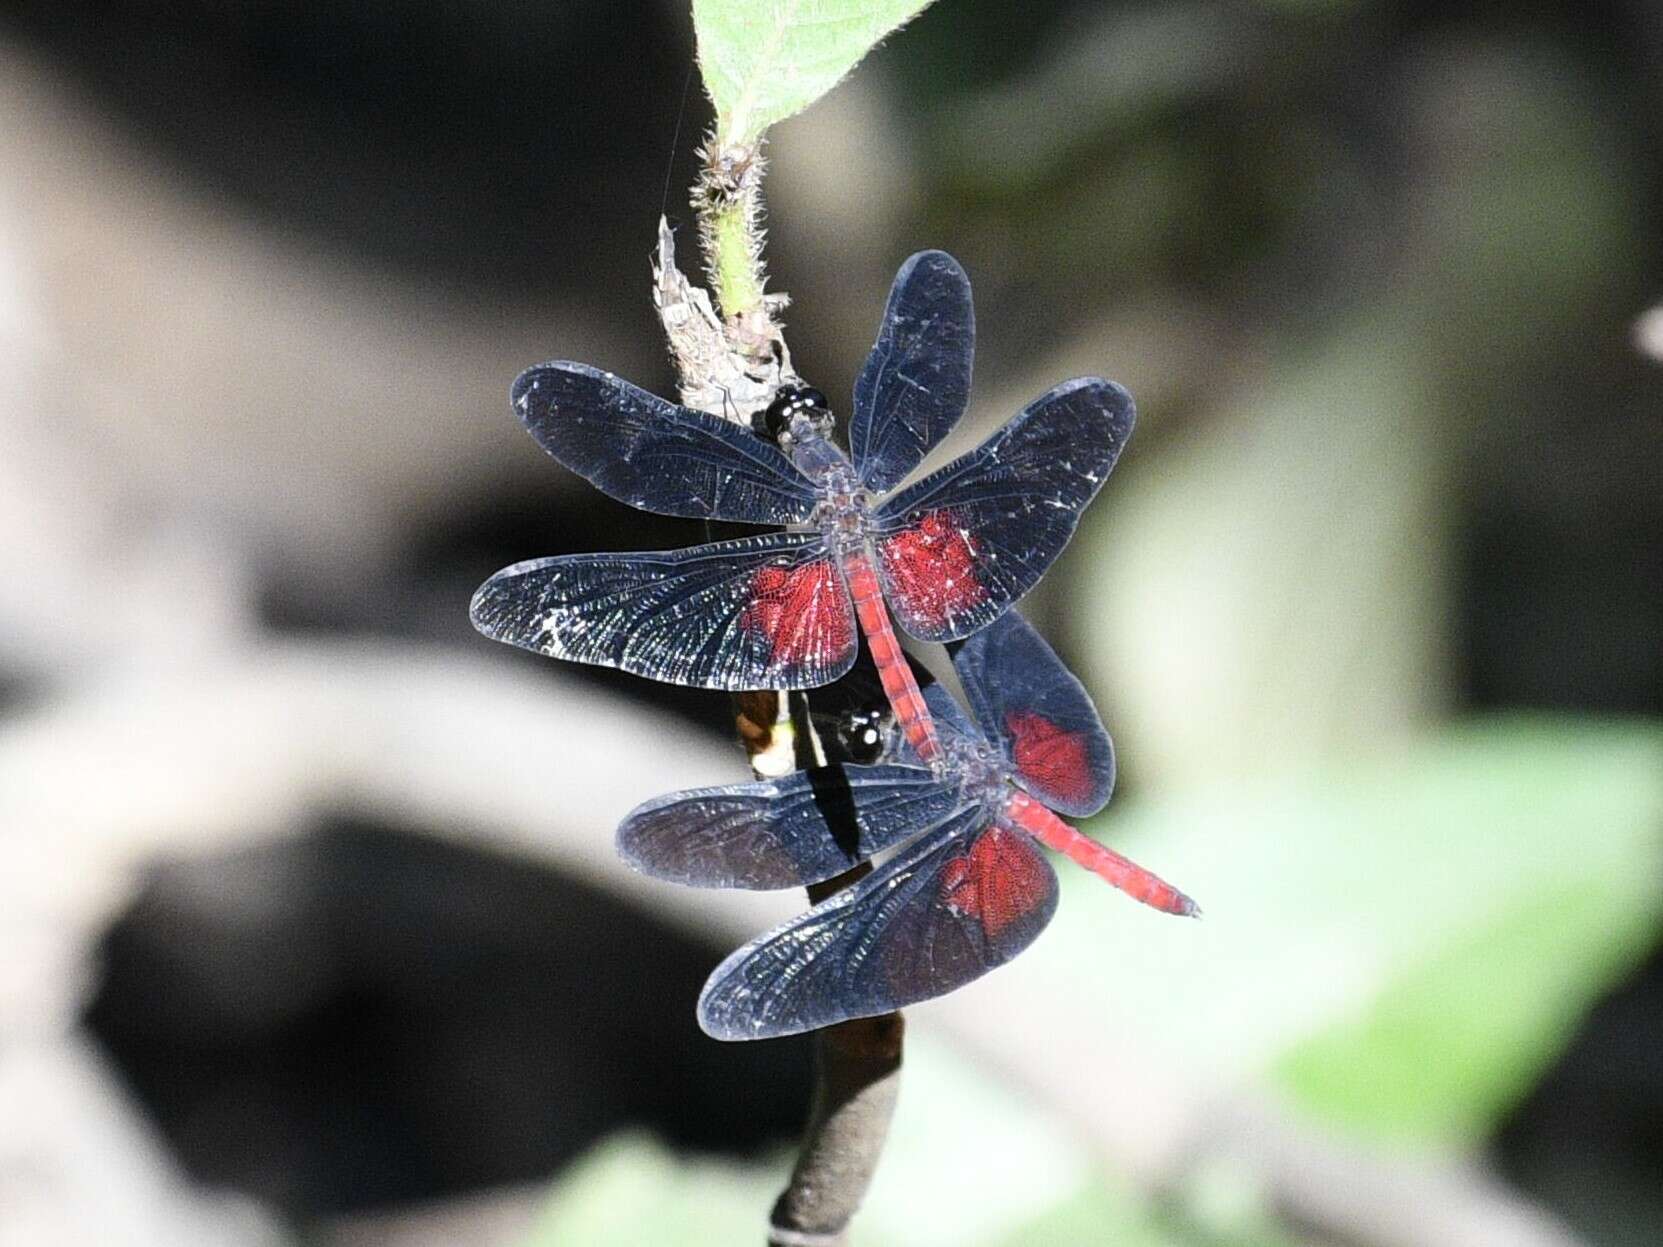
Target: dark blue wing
<point x="941" y="913"/>
<point x="947" y="712"/>
<point x="804" y="828"/>
<point x="916" y="381"/>
<point x="957" y="548"/>
<point x="655" y="455"/>
<point x="1040" y="714"/>
<point x="763" y="612"/>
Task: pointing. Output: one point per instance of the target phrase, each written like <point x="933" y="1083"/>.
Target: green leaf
<point x="1400" y="947"/>
<point x="1452" y="1041"/>
<point x="1096" y="1213"/>
<point x="764" y="60"/>
<point x="1566" y="901"/>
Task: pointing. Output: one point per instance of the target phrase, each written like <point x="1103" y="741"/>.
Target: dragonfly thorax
<point x="843" y="513"/>
<point x="981" y="772"/>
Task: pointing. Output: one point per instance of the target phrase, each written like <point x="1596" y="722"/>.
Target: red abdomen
<point x="1122" y="872"/>
<point x="894" y="673"/>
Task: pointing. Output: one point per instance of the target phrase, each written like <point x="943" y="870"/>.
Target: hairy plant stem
<point x="728" y="201"/>
<point x="730" y="354"/>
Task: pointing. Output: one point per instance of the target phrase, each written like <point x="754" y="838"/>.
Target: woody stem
<point x="857" y="1076"/>
<point x="857" y="1063"/>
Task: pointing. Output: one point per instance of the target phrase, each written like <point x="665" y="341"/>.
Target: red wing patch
<point x="803" y="611"/>
<point x="933" y="566"/>
<point x="1051" y="758"/>
<point x="997" y="882"/>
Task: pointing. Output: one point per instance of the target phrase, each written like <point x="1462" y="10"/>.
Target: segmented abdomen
<point x="1127" y="875"/>
<point x="893" y="671"/>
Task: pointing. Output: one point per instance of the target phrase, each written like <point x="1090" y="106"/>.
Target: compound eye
<point x="861" y="737"/>
<point x="788" y="401"/>
<point x="776" y="417"/>
<point x="813" y="404"/>
<point x="770" y="422"/>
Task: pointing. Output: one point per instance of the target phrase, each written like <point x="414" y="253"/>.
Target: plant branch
<point x="728" y="200"/>
<point x="857" y="1077"/>
<point x="731" y="364"/>
<point x="730" y="353"/>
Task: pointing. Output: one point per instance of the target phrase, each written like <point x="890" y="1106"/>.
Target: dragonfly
<point x="949" y="553"/>
<point x="968" y="889"/>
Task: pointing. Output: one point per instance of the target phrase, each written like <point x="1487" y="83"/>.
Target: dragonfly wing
<point x="805" y="828"/>
<point x="947" y="712"/>
<point x="1040" y="714"/>
<point x="957" y="548"/>
<point x="941" y="913"/>
<point x="762" y="612"/>
<point x="916" y="381"/>
<point x="655" y="455"/>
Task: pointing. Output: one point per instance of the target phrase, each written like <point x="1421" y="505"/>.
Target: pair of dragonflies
<point x="949" y="555"/>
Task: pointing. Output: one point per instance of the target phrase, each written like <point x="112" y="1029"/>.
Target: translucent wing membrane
<point x="807" y="827"/>
<point x="957" y="548"/>
<point x="941" y="913"/>
<point x="948" y="714"/>
<point x="655" y="455"/>
<point x="1040" y="714"/>
<point x="916" y="381"/>
<point x="764" y="612"/>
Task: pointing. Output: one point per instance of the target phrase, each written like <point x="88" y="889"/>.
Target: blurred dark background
<point x="266" y="270"/>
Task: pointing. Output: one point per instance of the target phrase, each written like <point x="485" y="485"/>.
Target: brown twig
<point x="857" y="1077"/>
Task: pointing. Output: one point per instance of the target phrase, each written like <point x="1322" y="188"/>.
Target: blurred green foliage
<point x="633" y="1190"/>
<point x="1547" y="842"/>
<point x="1400" y="945"/>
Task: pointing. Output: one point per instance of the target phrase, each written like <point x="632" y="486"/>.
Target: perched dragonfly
<point x="967" y="894"/>
<point x="949" y="554"/>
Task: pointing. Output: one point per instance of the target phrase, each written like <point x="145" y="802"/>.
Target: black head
<point x="862" y="735"/>
<point x="788" y="401"/>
